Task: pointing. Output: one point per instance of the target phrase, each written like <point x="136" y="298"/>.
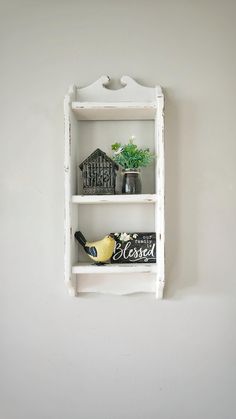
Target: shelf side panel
<point x="160" y="190"/>
<point x="70" y="279"/>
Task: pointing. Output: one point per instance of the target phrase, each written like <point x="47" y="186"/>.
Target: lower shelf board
<point x="91" y="278"/>
<point x="126" y="268"/>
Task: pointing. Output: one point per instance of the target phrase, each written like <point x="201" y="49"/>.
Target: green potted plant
<point x="131" y="159"/>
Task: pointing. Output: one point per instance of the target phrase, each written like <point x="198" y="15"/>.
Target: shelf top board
<point x="89" y="268"/>
<point x="115" y="199"/>
<point x="98" y="111"/>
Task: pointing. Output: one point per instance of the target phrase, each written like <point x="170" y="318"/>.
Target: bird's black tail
<point x="80" y="237"/>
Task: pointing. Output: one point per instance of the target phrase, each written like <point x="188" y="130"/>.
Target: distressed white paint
<point x="88" y="268"/>
<point x="115" y="199"/>
<point x="70" y="278"/>
<point x="98" y="102"/>
<point x="160" y="189"/>
<point x="131" y="91"/>
<point x="67" y="215"/>
<point x="98" y="111"/>
<point x="117" y="284"/>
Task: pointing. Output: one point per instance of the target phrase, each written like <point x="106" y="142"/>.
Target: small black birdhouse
<point x="99" y="174"/>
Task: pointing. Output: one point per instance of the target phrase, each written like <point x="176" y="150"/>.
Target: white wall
<point x="130" y="357"/>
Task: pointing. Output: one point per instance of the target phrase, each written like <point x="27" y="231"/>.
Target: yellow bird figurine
<point x="99" y="251"/>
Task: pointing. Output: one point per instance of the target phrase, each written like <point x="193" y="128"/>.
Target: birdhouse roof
<point x="94" y="155"/>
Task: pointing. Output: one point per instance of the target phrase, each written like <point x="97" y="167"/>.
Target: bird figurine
<point x="99" y="251"/>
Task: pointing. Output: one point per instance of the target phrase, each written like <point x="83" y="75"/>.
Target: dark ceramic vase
<point x="131" y="181"/>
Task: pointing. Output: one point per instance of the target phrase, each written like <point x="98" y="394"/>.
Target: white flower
<point x="124" y="237"/>
<point x="135" y="236"/>
<point x="119" y="151"/>
<point x="133" y="137"/>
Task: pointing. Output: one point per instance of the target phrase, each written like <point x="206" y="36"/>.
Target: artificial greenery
<point x="129" y="156"/>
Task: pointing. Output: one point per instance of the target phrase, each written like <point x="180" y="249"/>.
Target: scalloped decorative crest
<point x="130" y="91"/>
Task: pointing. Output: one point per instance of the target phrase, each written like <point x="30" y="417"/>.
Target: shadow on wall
<point x="181" y="195"/>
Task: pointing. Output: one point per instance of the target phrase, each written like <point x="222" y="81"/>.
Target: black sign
<point x="134" y="248"/>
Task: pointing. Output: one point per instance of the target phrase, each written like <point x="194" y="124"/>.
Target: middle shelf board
<point x="115" y="199"/>
<point x="98" y="111"/>
<point x="89" y="268"/>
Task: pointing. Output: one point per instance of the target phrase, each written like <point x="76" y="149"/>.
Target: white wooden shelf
<point x="98" y="111"/>
<point x="99" y="102"/>
<point x="89" y="268"/>
<point x="115" y="199"/>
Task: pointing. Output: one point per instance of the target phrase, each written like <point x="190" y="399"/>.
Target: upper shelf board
<point x="99" y="111"/>
<point x="115" y="199"/>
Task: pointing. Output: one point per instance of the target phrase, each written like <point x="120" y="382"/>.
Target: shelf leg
<point x="72" y="286"/>
<point x="159" y="289"/>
